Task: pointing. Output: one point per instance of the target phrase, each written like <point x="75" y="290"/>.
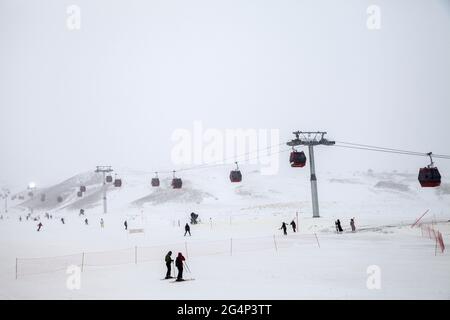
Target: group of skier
<point x="338" y="226"/>
<point x="179" y="264"/>
<point x="284" y="227"/>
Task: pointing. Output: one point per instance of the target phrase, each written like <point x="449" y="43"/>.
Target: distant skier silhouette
<point x="126" y="225"/>
<point x="338" y="226"/>
<point x="40" y="225"/>
<point x="102" y="223"/>
<point x="86" y="222"/>
<point x="294" y="226"/>
<point x="62" y="220"/>
<point x="352" y="224"/>
<point x="187" y="229"/>
<point x="284" y="227"/>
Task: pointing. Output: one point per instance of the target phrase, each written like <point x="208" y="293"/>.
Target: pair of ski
<point x="182" y="280"/>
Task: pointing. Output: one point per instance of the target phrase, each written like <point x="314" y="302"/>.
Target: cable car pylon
<point x="311" y="139"/>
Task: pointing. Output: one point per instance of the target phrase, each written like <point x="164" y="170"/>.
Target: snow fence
<point x="135" y="255"/>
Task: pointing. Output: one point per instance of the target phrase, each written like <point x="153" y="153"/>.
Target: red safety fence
<point x="432" y="233"/>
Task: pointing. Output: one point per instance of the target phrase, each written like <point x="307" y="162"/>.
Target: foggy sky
<point x="114" y="91"/>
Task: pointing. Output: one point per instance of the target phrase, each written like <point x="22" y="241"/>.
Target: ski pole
<point x="187" y="267"/>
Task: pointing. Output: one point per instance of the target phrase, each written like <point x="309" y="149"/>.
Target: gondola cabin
<point x="429" y="177"/>
<point x="177" y="183"/>
<point x="155" y="182"/>
<point x="79" y="194"/>
<point x="235" y="176"/>
<point x="59" y="199"/>
<point x="297" y="159"/>
<point x="117" y="183"/>
<point x="109" y="179"/>
<point x="83" y="189"/>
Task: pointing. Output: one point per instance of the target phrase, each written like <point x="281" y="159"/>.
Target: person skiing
<point x="338" y="226"/>
<point x="126" y="225"/>
<point x="179" y="264"/>
<point x="169" y="261"/>
<point x="294" y="226"/>
<point x="62" y="220"/>
<point x="352" y="224"/>
<point x="20" y="218"/>
<point x="86" y="221"/>
<point x="102" y="223"/>
<point x="187" y="229"/>
<point x="284" y="227"/>
<point x="39" y="226"/>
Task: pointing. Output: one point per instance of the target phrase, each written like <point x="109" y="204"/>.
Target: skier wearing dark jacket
<point x="338" y="226"/>
<point x="169" y="261"/>
<point x="187" y="229"/>
<point x="283" y="226"/>
<point x="294" y="226"/>
<point x="179" y="264"/>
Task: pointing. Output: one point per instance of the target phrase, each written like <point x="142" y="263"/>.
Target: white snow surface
<point x="237" y="250"/>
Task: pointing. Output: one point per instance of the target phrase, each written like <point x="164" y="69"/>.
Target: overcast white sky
<point x="114" y="91"/>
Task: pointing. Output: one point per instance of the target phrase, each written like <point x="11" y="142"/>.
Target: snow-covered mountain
<point x="352" y="193"/>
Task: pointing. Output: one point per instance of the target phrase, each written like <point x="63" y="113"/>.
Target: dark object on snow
<point x="179" y="264"/>
<point x="194" y="218"/>
<point x="297" y="159"/>
<point x="86" y="221"/>
<point x="83" y="189"/>
<point x="109" y="179"/>
<point x="39" y="226"/>
<point x="169" y="261"/>
<point x="284" y="227"/>
<point x="126" y="225"/>
<point x="81" y="212"/>
<point x="79" y="194"/>
<point x="187" y="229"/>
<point x="59" y="199"/>
<point x="338" y="226"/>
<point x="62" y="220"/>
<point x="352" y="224"/>
<point x="294" y="225"/>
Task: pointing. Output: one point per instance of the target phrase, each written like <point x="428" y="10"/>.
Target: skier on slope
<point x="126" y="225"/>
<point x="179" y="264"/>
<point x="102" y="223"/>
<point x="187" y="229"/>
<point x="284" y="227"/>
<point x="39" y="226"/>
<point x="352" y="224"/>
<point x="338" y="226"/>
<point x="169" y="261"/>
<point x="294" y="226"/>
<point x="62" y="220"/>
<point x="86" y="222"/>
